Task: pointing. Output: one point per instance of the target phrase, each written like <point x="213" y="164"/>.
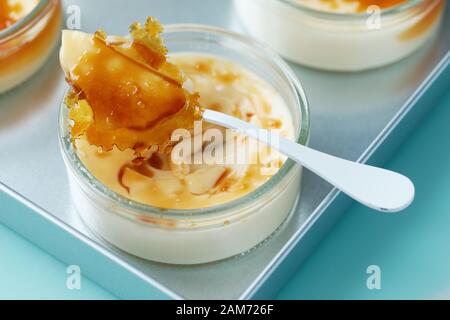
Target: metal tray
<point x="362" y="116"/>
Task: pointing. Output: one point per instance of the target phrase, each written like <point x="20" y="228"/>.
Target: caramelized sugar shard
<point x="147" y="48"/>
<point x="147" y="40"/>
<point x="126" y="94"/>
<point x="80" y="113"/>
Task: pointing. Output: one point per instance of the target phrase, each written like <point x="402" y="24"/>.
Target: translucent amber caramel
<point x="126" y="94"/>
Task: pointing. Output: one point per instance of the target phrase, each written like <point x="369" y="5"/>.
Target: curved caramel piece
<point x="125" y="93"/>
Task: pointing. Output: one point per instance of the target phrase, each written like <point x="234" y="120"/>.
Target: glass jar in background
<point x="26" y="45"/>
<point x="341" y="41"/>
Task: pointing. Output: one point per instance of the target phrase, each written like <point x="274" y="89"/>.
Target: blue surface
<point x="411" y="248"/>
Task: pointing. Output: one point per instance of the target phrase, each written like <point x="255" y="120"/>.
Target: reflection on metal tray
<point x="361" y="116"/>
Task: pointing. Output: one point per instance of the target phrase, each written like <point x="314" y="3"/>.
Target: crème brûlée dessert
<point x="343" y="35"/>
<point x="126" y="102"/>
<point x="29" y="31"/>
<point x="135" y="126"/>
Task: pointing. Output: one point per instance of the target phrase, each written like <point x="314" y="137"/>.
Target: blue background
<point x="411" y="248"/>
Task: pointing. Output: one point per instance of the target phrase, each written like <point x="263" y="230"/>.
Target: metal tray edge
<point x="68" y="255"/>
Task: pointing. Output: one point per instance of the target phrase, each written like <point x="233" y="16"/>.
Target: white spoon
<point x="376" y="188"/>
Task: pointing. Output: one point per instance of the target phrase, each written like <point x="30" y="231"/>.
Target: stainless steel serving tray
<point x="361" y="116"/>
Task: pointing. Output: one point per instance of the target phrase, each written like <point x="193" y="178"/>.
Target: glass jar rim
<point x="27" y="22"/>
<point x="353" y="16"/>
<point x="144" y="209"/>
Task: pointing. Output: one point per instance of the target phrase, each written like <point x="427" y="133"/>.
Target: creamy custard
<point x="154" y="179"/>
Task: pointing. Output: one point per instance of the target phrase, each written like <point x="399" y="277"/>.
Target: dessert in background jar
<point x="342" y="35"/>
<point x="128" y="98"/>
<point x="29" y="31"/>
<point x="12" y="11"/>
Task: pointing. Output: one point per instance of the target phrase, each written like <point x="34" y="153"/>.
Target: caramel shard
<point x="124" y="92"/>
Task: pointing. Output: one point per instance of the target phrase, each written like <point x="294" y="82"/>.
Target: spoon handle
<point x="377" y="188"/>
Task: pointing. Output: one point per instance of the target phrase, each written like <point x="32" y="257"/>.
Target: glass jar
<point x="340" y="41"/>
<point x="208" y="234"/>
<point x="26" y="45"/>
